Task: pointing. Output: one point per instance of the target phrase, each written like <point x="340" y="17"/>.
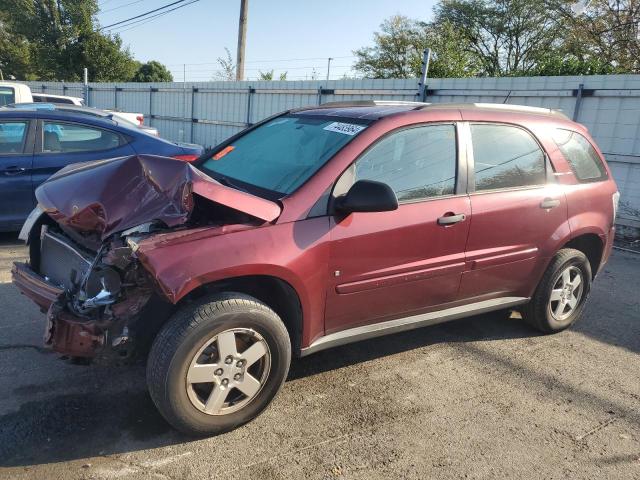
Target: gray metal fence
<point x="208" y="112"/>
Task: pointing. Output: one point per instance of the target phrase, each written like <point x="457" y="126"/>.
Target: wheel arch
<point x="276" y="293"/>
<point x="592" y="245"/>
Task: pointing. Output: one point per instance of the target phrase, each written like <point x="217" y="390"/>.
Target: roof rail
<point x="519" y="108"/>
<point x="369" y="103"/>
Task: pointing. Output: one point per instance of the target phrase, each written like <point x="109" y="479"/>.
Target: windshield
<point x="7" y="96"/>
<point x="282" y="154"/>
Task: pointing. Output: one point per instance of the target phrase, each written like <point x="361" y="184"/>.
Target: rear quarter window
<point x="581" y="156"/>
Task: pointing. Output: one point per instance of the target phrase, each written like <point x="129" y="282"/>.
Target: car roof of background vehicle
<point x="38" y="94"/>
<point x="71" y="113"/>
<point x="376" y="109"/>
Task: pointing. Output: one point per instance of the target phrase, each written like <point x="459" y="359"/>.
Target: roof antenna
<point x="507" y="97"/>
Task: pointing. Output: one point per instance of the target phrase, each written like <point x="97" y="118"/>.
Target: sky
<point x="289" y="36"/>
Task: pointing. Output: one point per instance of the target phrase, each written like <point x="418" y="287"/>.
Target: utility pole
<point x="242" y="38"/>
<point x="422" y="85"/>
<point x="328" y="66"/>
<point x="85" y="75"/>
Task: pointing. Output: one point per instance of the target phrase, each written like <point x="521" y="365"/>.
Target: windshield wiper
<point x="227" y="183"/>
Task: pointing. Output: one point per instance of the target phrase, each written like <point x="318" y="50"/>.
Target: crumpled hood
<point x="108" y="196"/>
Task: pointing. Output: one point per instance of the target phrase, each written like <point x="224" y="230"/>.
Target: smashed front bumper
<point x="64" y="332"/>
<point x="91" y="299"/>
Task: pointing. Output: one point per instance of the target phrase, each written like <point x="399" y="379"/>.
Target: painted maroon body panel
<point x="108" y="196"/>
<point x="391" y="263"/>
<point x="510" y="226"/>
<point x="361" y="268"/>
<point x="295" y="252"/>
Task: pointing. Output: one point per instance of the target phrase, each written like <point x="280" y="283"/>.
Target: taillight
<point x="186" y="158"/>
<point x="140" y="119"/>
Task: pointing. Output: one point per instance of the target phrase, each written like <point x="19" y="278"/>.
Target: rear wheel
<point x="218" y="364"/>
<point x="561" y="295"/>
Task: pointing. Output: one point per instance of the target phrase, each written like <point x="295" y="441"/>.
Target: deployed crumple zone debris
<point x="92" y="278"/>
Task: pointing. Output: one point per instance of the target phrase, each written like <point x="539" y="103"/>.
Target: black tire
<point x="186" y="333"/>
<point x="538" y="311"/>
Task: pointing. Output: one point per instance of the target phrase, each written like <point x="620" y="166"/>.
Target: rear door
<point x="388" y="265"/>
<point x="16" y="156"/>
<point x="518" y="212"/>
<point x="60" y="143"/>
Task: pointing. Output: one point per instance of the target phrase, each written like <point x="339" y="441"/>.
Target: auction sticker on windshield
<point x="346" y="128"/>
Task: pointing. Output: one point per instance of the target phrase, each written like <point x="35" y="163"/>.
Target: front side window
<point x="417" y="163"/>
<point x="12" y="137"/>
<point x="581" y="155"/>
<point x="506" y="157"/>
<point x="282" y="154"/>
<point x="58" y="137"/>
<point x="7" y="96"/>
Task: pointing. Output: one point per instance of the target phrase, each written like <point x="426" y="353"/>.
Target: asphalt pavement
<point x="485" y="397"/>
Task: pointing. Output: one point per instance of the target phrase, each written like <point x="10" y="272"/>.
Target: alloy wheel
<point x="566" y="293"/>
<point x="228" y="372"/>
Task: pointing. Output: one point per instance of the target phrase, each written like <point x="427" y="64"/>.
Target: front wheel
<point x="218" y="364"/>
<point x="561" y="295"/>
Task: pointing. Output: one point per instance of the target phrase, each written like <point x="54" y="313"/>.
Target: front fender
<point x="296" y="253"/>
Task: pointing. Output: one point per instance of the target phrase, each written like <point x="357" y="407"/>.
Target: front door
<point x="392" y="264"/>
<point x="16" y="156"/>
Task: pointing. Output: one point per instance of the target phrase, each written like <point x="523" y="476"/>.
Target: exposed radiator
<point x="60" y="262"/>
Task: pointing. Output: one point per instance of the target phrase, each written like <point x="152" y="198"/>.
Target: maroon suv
<point x="315" y="228"/>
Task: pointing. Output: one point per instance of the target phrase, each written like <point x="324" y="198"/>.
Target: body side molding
<point x="409" y="323"/>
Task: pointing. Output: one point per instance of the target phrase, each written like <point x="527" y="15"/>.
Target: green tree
<point x="56" y="39"/>
<point x="451" y="55"/>
<point x="227" y="70"/>
<point x="399" y="46"/>
<point x="268" y="75"/>
<point x="397" y="50"/>
<point x="153" y="71"/>
<point x="604" y="35"/>
<point x="507" y="37"/>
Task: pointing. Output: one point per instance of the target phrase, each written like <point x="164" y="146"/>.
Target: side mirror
<point x="367" y="196"/>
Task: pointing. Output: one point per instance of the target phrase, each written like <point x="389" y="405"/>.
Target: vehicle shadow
<point x="98" y="421"/>
<point x="107" y="410"/>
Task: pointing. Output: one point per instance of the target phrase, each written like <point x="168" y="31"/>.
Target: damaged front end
<point x="84" y="270"/>
<point x="92" y="299"/>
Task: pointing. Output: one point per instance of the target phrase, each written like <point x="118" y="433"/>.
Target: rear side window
<point x="506" y="157"/>
<point x="12" y="136"/>
<point x="66" y="137"/>
<point x="581" y="155"/>
<point x="417" y="163"/>
<point x="7" y="96"/>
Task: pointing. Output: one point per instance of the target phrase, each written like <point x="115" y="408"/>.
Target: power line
<point x="143" y="14"/>
<point x="142" y="21"/>
<point x="267" y="61"/>
<point x="262" y="68"/>
<point x="121" y="6"/>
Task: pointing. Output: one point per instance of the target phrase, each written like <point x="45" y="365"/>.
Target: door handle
<point x="549" y="203"/>
<point x="451" y="219"/>
<point x="14" y="170"/>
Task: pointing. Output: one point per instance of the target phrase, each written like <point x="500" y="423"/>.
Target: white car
<point x="57" y="99"/>
<point x="135" y="118"/>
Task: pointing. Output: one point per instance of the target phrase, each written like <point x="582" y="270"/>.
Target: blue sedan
<point x="37" y="142"/>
